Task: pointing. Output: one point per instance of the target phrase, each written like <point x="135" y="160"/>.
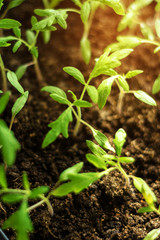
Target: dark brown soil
<point x="107" y="209"/>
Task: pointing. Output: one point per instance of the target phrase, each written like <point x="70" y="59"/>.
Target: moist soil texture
<point x="108" y="208"/>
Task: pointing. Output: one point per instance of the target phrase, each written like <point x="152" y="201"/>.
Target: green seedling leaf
<point x="44" y="12"/>
<point x="21" y="71"/>
<point x="1" y="91"/>
<point x="64" y="176"/>
<point x="102" y="140"/>
<point x="21" y="222"/>
<point x="144" y="97"/>
<point x="123" y="83"/>
<point x="126" y="159"/>
<point x="146" y="191"/>
<point x="85" y="49"/>
<point x="120" y="54"/>
<point x="93" y="93"/>
<point x="74" y="72"/>
<point x="56" y="90"/>
<point x="1" y="4"/>
<point x="78" y="182"/>
<point x="156" y="85"/>
<point x="30" y="35"/>
<point x="8" y="141"/>
<point x="104" y="90"/>
<point x="9" y="23"/>
<point x="58" y="126"/>
<point x="38" y="191"/>
<point x="157" y="24"/>
<point x="82" y="103"/>
<point x="133" y="73"/>
<point x="145" y="209"/>
<point x="98" y="162"/>
<point x="15" y="3"/>
<point x="115" y="4"/>
<point x="41" y="25"/>
<point x="147" y="32"/>
<point x="60" y="99"/>
<point x="16" y="46"/>
<point x="152" y="235"/>
<point x="17" y="32"/>
<point x="61" y="21"/>
<point x="14" y="81"/>
<point x="12" y="197"/>
<point x="73" y="95"/>
<point x="157" y="49"/>
<point x="4" y="101"/>
<point x="77" y="3"/>
<point x="95" y="149"/>
<point x="3" y="179"/>
<point x="85" y="11"/>
<point x="34" y="51"/>
<point x="19" y="104"/>
<point x="26" y="184"/>
<point x="120" y="138"/>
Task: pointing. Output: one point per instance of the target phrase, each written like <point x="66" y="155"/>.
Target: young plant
<point x="151" y="200"/>
<point x="8" y="143"/>
<point x="86" y="10"/>
<point x="104" y="65"/>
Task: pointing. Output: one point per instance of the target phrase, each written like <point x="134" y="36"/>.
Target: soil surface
<point x="108" y="208"/>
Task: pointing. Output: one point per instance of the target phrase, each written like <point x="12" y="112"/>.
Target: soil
<point x="108" y="208"/>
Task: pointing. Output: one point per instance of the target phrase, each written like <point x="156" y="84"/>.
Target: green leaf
<point x="19" y="104"/>
<point x="26" y="184"/>
<point x="14" y="81"/>
<point x="12" y="197"/>
<point x="157" y="49"/>
<point x="115" y="4"/>
<point x="1" y="4"/>
<point x="60" y="98"/>
<point x="147" y="32"/>
<point x="126" y="159"/>
<point x="15" y="3"/>
<point x="34" y="51"/>
<point x="157" y="27"/>
<point x="21" y="71"/>
<point x="152" y="235"/>
<point x="3" y="179"/>
<point x="102" y="140"/>
<point x="98" y="162"/>
<point x="4" y="101"/>
<point x="145" y="209"/>
<point x="85" y="11"/>
<point x="74" y="72"/>
<point x="93" y="93"/>
<point x="21" y="222"/>
<point x="78" y="182"/>
<point x="8" y="141"/>
<point x="104" y="90"/>
<point x="144" y="97"/>
<point x="123" y="83"/>
<point x="156" y="86"/>
<point x="64" y="176"/>
<point x="146" y="191"/>
<point x="16" y="46"/>
<point x="17" y="32"/>
<point x="120" y="138"/>
<point x="56" y="90"/>
<point x="82" y="103"/>
<point x="9" y="23"/>
<point x="58" y="126"/>
<point x="41" y="25"/>
<point x="61" y="21"/>
<point x="85" y="49"/>
<point x="133" y="73"/>
<point x="30" y="35"/>
<point x="95" y="149"/>
<point x="38" y="191"/>
<point x="120" y="54"/>
<point x="73" y="95"/>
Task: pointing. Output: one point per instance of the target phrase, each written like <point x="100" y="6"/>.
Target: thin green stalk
<point x="4" y="79"/>
<point x="36" y="205"/>
<point x="46" y="4"/>
<point x="123" y="172"/>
